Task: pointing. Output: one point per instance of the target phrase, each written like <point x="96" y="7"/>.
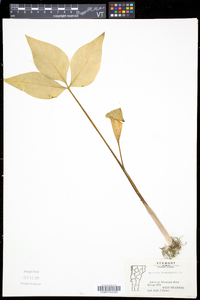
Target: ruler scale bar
<point x="64" y="11"/>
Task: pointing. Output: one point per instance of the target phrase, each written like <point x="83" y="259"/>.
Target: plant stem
<point x="149" y="210"/>
<point x="95" y="127"/>
<point x="120" y="153"/>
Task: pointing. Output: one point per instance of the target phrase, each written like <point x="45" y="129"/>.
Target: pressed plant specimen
<point x="53" y="65"/>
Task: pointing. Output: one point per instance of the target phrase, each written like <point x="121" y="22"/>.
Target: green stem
<point x="149" y="210"/>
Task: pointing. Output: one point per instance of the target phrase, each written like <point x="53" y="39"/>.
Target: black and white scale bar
<point x="42" y="7"/>
<point x="64" y="11"/>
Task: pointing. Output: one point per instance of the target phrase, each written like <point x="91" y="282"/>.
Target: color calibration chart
<point x="124" y="10"/>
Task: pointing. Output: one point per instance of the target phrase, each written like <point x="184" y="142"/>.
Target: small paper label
<point x="160" y="278"/>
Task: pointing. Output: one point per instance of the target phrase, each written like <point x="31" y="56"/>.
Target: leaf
<point x="49" y="59"/>
<point x="85" y="63"/>
<point x="36" y="85"/>
<point x="115" y="115"/>
<point x="117" y="128"/>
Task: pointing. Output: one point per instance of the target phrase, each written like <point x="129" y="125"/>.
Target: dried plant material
<point x="172" y="250"/>
<point x="85" y="63"/>
<point x="116" y="118"/>
<point x="116" y="114"/>
<point x="159" y="224"/>
<point x="49" y="59"/>
<point x="53" y="65"/>
<point x="117" y="128"/>
<point x="36" y="85"/>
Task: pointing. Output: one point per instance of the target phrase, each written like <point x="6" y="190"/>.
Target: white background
<point x="69" y="211"/>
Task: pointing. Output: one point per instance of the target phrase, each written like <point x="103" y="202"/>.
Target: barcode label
<point x="108" y="288"/>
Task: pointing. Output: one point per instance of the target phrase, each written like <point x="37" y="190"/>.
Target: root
<point x="171" y="251"/>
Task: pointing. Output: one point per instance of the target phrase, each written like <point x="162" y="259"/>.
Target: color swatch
<point x="122" y="10"/>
